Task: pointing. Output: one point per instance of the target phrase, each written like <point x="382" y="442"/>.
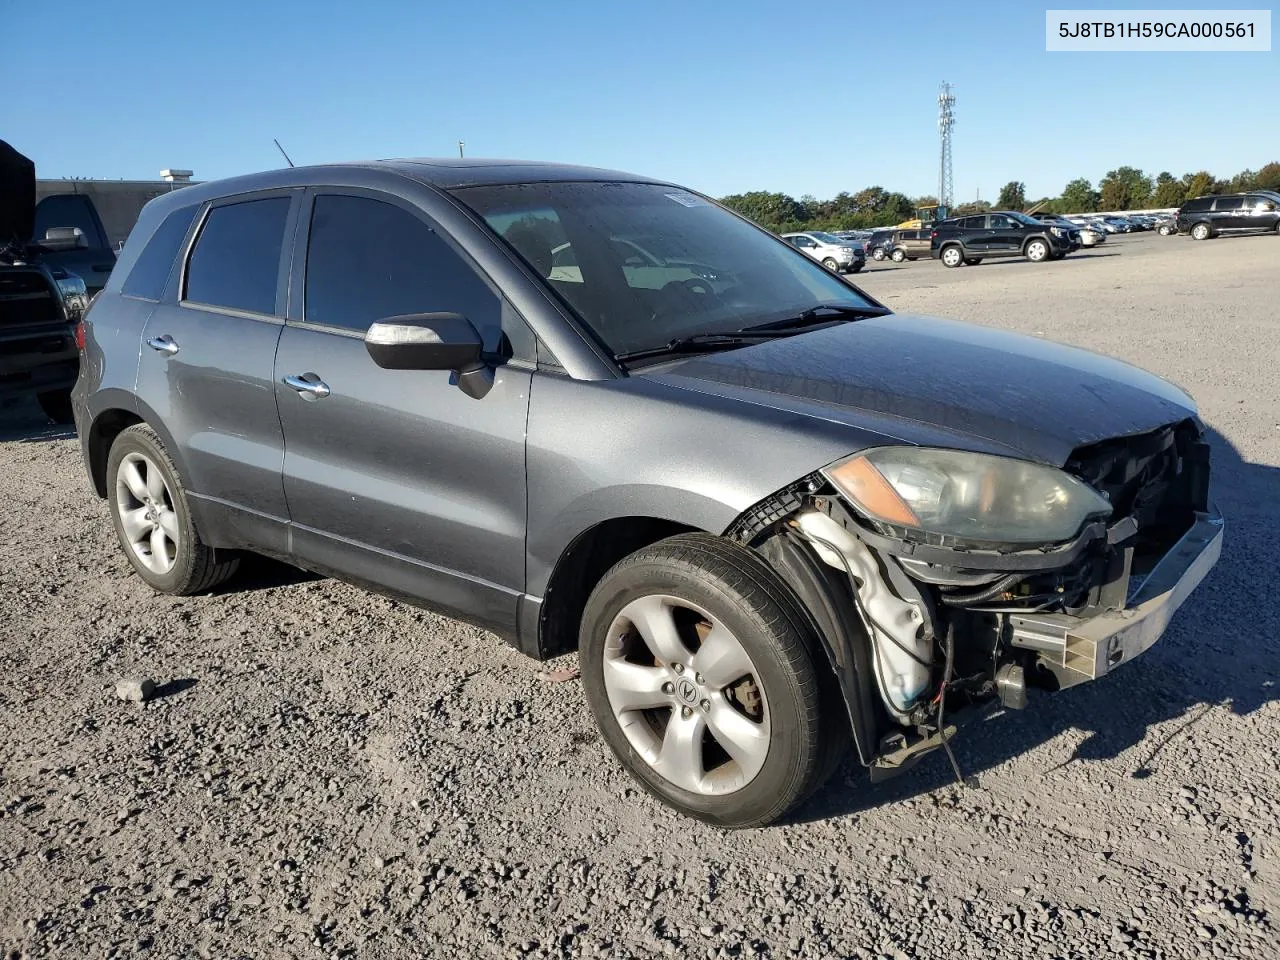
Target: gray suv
<point x="777" y="523"/>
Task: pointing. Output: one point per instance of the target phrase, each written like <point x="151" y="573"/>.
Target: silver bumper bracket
<point x="1079" y="649"/>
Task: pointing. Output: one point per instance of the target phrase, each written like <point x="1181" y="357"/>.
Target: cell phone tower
<point x="946" y="120"/>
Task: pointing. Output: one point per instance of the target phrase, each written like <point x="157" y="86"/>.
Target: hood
<point x="927" y="378"/>
<point x="17" y="195"/>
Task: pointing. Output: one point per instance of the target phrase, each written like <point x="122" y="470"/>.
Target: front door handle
<point x="164" y="344"/>
<point x="309" y="385"/>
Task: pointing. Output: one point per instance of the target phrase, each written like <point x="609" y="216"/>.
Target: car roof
<point x="442" y="173"/>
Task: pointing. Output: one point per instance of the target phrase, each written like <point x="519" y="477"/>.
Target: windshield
<point x="1023" y="218"/>
<point x="643" y="264"/>
<point x="829" y="238"/>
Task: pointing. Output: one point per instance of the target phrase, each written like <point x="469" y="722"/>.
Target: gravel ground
<point x="325" y="773"/>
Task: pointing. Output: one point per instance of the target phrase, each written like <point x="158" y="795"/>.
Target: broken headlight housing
<point x="971" y="498"/>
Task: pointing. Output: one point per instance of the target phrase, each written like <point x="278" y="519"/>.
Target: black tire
<point x="736" y="587"/>
<point x="56" y="405"/>
<point x="831" y="264"/>
<point x="972" y="261"/>
<point x="898" y="256"/>
<point x="952" y="255"/>
<point x="877" y="254"/>
<point x="1201" y="231"/>
<point x="197" y="566"/>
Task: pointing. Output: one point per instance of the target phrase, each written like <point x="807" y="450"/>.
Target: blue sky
<point x="725" y="96"/>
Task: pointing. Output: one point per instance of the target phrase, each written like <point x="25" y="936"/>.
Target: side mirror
<point x="431" y="341"/>
<point x="58" y="239"/>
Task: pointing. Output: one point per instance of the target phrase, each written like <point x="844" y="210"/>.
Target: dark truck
<point x="41" y="300"/>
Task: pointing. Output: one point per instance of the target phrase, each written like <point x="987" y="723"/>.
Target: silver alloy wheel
<point x="951" y="256"/>
<point x="1037" y="250"/>
<point x="1200" y="231"/>
<point x="145" y="505"/>
<point x="696" y="714"/>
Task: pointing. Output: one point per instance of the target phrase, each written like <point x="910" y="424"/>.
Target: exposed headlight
<point x="1057" y="231"/>
<point x="973" y="497"/>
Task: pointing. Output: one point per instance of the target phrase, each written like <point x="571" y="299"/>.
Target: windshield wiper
<point x="821" y="313"/>
<point x="702" y="343"/>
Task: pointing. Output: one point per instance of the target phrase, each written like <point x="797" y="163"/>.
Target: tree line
<point x="1125" y="188"/>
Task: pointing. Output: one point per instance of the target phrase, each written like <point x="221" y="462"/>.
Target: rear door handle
<point x="164" y="344"/>
<point x="309" y="385"/>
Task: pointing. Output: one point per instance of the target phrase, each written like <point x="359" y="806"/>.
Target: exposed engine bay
<point x="945" y="626"/>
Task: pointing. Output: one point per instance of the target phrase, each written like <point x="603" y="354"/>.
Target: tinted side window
<point x="1195" y="206"/>
<point x="67" y="210"/>
<point x="236" y="260"/>
<point x="974" y="223"/>
<point x="368" y="260"/>
<point x="151" y="270"/>
<point x="1229" y="203"/>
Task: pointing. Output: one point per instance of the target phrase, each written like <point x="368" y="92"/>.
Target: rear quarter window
<point x="1197" y="206"/>
<point x="151" y="270"/>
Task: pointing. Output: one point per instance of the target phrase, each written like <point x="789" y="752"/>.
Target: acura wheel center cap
<point x="687" y="691"/>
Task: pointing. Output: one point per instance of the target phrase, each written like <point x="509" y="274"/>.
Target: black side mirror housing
<point x="58" y="239"/>
<point x="432" y="341"/>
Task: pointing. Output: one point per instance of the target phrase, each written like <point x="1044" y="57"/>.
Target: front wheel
<point x="153" y="520"/>
<point x="702" y="675"/>
<point x="831" y="265"/>
<point x="1037" y="251"/>
<point x="877" y="254"/>
<point x="952" y="257"/>
<point x="1200" y="231"/>
<point x="56" y="405"/>
<point x="898" y="256"/>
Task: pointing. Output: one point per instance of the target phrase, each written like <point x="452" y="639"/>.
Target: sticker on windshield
<point x="685" y="199"/>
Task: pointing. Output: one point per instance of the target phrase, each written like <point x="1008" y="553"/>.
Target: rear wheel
<point x="877" y="254"/>
<point x="898" y="256"/>
<point x="56" y="405"/>
<point x="831" y="265"/>
<point x="952" y="256"/>
<point x="702" y="675"/>
<point x="1200" y="231"/>
<point x="1037" y="251"/>
<point x="153" y="521"/>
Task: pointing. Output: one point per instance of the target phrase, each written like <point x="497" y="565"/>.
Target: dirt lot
<point x="330" y="774"/>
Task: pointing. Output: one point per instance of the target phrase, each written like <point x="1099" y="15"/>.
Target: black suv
<point x="40" y="301"/>
<point x="1001" y="233"/>
<point x="1206" y="217"/>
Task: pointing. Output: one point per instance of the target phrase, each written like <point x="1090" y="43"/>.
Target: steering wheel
<point x="698" y="286"/>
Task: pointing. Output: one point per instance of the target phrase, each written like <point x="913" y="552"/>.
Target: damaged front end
<point x="923" y="580"/>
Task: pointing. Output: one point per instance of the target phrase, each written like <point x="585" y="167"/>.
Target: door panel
<point x="216" y="396"/>
<point x="399" y="478"/>
<point x="206" y="369"/>
<point x="1005" y="238"/>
